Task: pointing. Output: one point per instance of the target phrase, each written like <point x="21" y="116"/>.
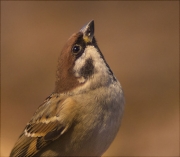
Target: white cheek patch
<point x="100" y="76"/>
<point x="98" y="62"/>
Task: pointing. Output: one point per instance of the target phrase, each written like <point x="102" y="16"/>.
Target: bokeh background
<point x="140" y="41"/>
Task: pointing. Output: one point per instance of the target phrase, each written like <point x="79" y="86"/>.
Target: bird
<point x="83" y="114"/>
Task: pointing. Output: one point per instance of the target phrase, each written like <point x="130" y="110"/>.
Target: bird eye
<point x="76" y="49"/>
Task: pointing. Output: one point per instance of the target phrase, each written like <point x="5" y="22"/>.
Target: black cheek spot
<point x="88" y="69"/>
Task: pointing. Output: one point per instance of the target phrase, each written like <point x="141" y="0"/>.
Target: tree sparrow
<point x="83" y="114"/>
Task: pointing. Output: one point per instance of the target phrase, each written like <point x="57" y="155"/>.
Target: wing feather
<point x="45" y="127"/>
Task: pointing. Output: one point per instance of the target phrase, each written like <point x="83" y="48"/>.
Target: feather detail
<point x="49" y="122"/>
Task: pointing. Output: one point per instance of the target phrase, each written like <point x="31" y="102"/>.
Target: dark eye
<point x="76" y="49"/>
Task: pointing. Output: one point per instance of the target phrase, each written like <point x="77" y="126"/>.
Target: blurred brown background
<point x="140" y="42"/>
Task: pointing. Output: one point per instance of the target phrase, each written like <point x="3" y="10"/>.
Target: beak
<point x="88" y="31"/>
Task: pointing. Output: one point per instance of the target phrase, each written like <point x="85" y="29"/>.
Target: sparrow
<point x="83" y="114"/>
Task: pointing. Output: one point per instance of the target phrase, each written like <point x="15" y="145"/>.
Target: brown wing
<point x="45" y="126"/>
